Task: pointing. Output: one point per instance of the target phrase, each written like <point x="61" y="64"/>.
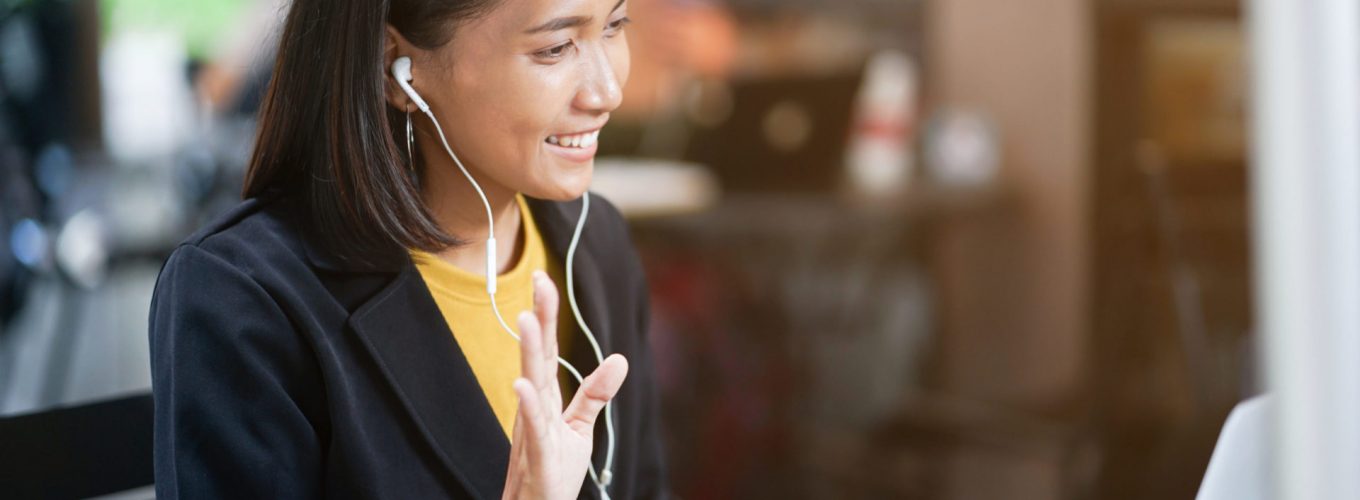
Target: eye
<point x="555" y="52"/>
<point x="617" y="26"/>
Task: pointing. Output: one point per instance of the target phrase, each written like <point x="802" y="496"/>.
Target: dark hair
<point x="327" y="134"/>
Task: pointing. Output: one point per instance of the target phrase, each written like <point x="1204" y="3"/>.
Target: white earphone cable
<point x="580" y="321"/>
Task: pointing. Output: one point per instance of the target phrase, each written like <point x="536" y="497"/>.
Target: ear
<point x="394" y="46"/>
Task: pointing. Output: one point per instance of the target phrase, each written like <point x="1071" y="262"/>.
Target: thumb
<point x="596" y="390"/>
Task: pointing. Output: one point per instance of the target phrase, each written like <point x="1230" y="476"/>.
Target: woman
<point x="333" y="335"/>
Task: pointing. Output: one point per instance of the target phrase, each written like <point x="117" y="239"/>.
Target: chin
<point x="566" y="188"/>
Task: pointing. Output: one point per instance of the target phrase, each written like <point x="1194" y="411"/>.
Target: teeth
<point x="575" y="141"/>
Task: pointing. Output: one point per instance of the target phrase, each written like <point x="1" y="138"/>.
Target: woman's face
<point x="522" y="92"/>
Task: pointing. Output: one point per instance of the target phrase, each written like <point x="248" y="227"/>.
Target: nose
<point x="600" y="91"/>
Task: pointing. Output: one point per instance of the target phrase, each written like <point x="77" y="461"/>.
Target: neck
<point x="460" y="213"/>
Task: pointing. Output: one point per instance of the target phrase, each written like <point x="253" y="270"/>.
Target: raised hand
<point x="550" y="448"/>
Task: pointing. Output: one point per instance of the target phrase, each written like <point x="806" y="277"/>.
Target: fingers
<point x="545" y="307"/>
<point x="531" y="351"/>
<point x="540" y="372"/>
<point x="517" y="437"/>
<point x="534" y="420"/>
<point x="518" y="462"/>
<point x="596" y="390"/>
<point x="545" y="319"/>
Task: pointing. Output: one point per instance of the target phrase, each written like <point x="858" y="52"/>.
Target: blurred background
<point x="934" y="249"/>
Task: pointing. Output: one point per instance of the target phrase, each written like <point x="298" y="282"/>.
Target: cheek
<point x="620" y="59"/>
<point x="537" y="102"/>
<point x="516" y="117"/>
<point x="492" y="132"/>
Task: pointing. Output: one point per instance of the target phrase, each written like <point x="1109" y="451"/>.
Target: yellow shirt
<point x="461" y="295"/>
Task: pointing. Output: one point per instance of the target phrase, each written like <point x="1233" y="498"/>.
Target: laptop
<point x="785" y="134"/>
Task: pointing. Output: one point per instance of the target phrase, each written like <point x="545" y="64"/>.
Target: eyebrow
<point x="562" y="23"/>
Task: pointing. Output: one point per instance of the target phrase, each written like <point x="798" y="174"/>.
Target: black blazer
<point x="281" y="371"/>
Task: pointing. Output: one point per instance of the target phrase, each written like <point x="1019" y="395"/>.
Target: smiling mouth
<point x="578" y="141"/>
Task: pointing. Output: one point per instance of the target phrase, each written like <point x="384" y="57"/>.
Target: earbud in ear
<point x="401" y="71"/>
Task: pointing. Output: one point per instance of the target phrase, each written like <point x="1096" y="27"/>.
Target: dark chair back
<point x="77" y="452"/>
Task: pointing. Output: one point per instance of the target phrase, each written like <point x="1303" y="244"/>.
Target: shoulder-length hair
<point x="328" y="135"/>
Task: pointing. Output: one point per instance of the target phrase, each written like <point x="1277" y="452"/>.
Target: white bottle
<point x="879" y="157"/>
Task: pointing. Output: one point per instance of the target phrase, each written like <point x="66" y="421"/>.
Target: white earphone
<point x="401" y="70"/>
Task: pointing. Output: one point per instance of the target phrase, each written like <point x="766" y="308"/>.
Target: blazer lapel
<point x="557" y="222"/>
<point x="405" y="332"/>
